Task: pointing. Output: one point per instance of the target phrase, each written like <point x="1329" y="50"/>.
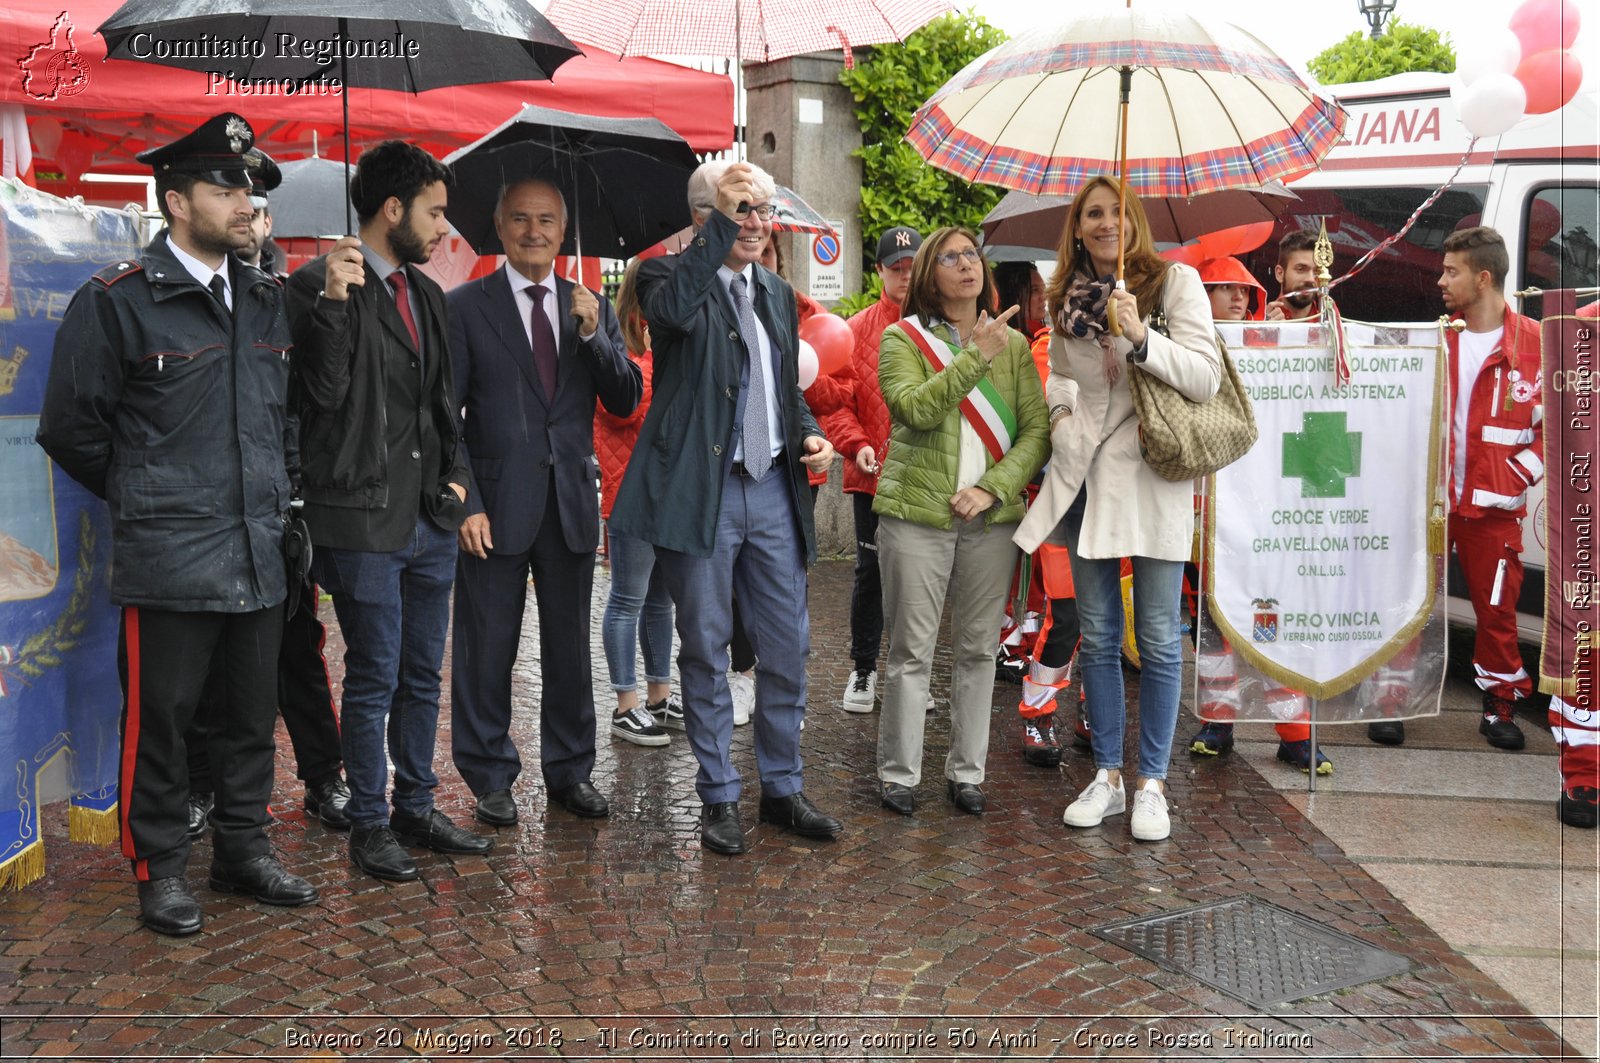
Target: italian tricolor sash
<point x="983" y="407"/>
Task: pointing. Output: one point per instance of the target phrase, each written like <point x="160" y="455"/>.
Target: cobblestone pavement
<point x="942" y="936"/>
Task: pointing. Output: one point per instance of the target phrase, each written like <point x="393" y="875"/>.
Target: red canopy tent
<point x="86" y="113"/>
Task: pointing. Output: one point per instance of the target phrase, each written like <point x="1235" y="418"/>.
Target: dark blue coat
<point x="515" y="433"/>
<point x="672" y="491"/>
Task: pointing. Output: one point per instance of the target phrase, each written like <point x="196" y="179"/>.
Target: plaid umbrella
<point x="795" y="215"/>
<point x="1209" y="107"/>
<point x="749" y="30"/>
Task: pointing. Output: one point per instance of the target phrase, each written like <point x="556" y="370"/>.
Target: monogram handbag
<point x="1181" y="439"/>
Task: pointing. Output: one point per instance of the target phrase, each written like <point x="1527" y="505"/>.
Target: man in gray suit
<point x="718" y="484"/>
<point x="532" y="353"/>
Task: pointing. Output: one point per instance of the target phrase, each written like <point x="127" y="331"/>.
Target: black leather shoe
<point x="167" y="907"/>
<point x="377" y="852"/>
<point x="720" y="829"/>
<point x="435" y="831"/>
<point x="966" y="796"/>
<point x="326" y="801"/>
<point x="795" y="813"/>
<point x="581" y="799"/>
<point x="897" y="798"/>
<point x="200" y="806"/>
<point x="264" y="879"/>
<point x="496" y="808"/>
<point x="1387" y="732"/>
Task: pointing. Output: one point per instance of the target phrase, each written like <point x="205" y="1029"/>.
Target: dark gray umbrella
<point x="624" y="178"/>
<point x="1021" y="220"/>
<point x="408" y="45"/>
<point x="310" y="199"/>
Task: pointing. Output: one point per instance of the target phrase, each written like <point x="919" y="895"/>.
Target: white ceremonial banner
<point x="1318" y="565"/>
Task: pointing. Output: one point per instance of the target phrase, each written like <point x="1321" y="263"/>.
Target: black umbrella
<point x="299" y="46"/>
<point x="624" y="178"/>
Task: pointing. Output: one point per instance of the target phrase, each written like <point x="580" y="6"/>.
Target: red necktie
<point x="544" y="341"/>
<point x="403" y="304"/>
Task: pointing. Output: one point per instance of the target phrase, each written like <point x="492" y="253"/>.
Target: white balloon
<point x="809" y="365"/>
<point x="1491" y="105"/>
<point x="1497" y="54"/>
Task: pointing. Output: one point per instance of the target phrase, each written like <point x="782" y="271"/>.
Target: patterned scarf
<point x="1084" y="316"/>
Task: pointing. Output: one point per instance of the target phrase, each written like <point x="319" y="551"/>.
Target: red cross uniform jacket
<point x="1505" y="428"/>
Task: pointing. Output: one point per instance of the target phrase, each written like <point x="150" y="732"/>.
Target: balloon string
<point x="1365" y="259"/>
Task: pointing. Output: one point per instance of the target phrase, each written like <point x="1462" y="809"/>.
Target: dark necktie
<point x="403" y="304"/>
<point x="757" y="436"/>
<point x="219" y="289"/>
<point x="544" y="341"/>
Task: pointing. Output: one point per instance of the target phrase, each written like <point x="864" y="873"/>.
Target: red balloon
<point x="832" y="339"/>
<point x="1551" y="78"/>
<point x="1545" y="25"/>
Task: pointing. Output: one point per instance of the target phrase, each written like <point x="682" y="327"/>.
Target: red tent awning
<point x="112" y="110"/>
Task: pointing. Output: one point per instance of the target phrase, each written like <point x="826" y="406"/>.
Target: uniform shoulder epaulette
<point x="116" y="271"/>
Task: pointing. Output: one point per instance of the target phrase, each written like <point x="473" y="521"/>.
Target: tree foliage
<point x="889" y="84"/>
<point x="1402" y="49"/>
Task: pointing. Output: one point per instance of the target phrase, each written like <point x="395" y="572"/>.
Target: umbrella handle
<point x="1126" y="74"/>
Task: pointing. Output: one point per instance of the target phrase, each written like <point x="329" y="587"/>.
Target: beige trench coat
<point x="1130" y="511"/>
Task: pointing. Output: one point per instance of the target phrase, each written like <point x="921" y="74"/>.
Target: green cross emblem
<point x="1322" y="455"/>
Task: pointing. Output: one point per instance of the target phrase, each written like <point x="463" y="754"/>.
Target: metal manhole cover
<point x="1254" y="950"/>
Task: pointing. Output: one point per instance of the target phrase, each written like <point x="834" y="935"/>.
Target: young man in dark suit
<point x="385" y="485"/>
<point x="718" y="484"/>
<point x="532" y="353"/>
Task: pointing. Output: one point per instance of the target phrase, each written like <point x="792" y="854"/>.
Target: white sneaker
<point x="743" y="689"/>
<point x="860" y="691"/>
<point x="1098" y="800"/>
<point x="1149" y="821"/>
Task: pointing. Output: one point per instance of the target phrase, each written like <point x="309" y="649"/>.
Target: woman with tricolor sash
<point x="968" y="429"/>
<point x="1102" y="500"/>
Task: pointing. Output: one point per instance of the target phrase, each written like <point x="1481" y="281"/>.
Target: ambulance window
<point x="1402" y="283"/>
<point x="1558" y="251"/>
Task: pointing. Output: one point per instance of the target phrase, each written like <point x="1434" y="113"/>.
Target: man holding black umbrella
<point x="385" y="481"/>
<point x="532" y="353"/>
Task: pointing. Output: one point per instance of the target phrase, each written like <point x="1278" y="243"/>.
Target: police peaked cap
<point x="215" y="152"/>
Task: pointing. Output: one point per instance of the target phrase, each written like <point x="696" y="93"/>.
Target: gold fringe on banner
<point x="24" y="868"/>
<point x="93" y="826"/>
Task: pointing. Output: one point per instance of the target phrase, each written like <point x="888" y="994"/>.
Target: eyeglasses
<point x="764" y="210"/>
<point x="950" y="258"/>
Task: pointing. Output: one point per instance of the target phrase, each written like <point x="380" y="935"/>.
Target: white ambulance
<point x="1538" y="185"/>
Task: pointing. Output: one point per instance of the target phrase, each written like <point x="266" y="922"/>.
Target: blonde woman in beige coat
<point x="1099" y="497"/>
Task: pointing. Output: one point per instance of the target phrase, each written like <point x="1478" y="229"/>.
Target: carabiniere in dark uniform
<point x="171" y="406"/>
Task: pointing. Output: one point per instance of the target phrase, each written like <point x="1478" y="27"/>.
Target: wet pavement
<point x="937" y="937"/>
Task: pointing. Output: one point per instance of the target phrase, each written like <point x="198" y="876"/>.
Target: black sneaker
<point x="668" y="712"/>
<point x="639" y="726"/>
<point x="1012" y="669"/>
<point x="1387" y="732"/>
<point x="1499" y="725"/>
<point x="1577" y="807"/>
<point x="1039" y="744"/>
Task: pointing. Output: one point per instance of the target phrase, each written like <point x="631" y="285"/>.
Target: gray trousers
<point x="919" y="565"/>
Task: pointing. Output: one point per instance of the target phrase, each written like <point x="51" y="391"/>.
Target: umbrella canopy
<point x="795" y="215"/>
<point x="1028" y="221"/>
<point x="294" y="46"/>
<point x="1209" y="108"/>
<point x="412" y="45"/>
<point x="310" y="199"/>
<point x="752" y="31"/>
<point x="623" y="179"/>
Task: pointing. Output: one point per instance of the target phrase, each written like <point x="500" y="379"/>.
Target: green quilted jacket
<point x="919" y="474"/>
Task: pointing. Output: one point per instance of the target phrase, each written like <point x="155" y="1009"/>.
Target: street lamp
<point x="1376" y="11"/>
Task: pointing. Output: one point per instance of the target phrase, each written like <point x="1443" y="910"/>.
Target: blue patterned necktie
<point x="757" y="436"/>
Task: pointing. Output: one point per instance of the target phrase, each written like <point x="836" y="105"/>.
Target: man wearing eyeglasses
<point x="718" y="484"/>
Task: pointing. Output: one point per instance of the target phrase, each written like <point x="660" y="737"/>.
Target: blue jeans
<point x="759" y="555"/>
<point x="394" y="610"/>
<point x="636" y="587"/>
<point x="1157" y="589"/>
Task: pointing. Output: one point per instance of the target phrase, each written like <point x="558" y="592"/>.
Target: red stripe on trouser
<point x="1481" y="543"/>
<point x="130" y="736"/>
